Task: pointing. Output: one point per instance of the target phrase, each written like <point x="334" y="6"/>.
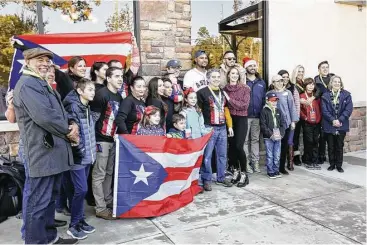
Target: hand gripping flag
<point x="155" y="175"/>
<point x="93" y="47"/>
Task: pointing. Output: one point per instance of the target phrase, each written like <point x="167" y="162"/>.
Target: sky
<point x="200" y="18"/>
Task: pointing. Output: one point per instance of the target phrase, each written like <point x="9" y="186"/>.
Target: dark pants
<point x="297" y="132"/>
<point x="39" y="209"/>
<point x="62" y="200"/>
<point x="236" y="150"/>
<point x="335" y="145"/>
<point x="322" y="145"/>
<point x="79" y="179"/>
<point x="67" y="191"/>
<point x="284" y="150"/>
<point x="89" y="197"/>
<point x="311" y="134"/>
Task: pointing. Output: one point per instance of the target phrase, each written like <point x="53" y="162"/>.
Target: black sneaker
<point x="271" y="176"/>
<point x="243" y="180"/>
<point x="340" y="170"/>
<point x="225" y="183"/>
<point x="236" y="176"/>
<point x="316" y="166"/>
<point x="297" y="160"/>
<point x="309" y="166"/>
<point x="277" y="175"/>
<point x="66" y="241"/>
<point x="283" y="171"/>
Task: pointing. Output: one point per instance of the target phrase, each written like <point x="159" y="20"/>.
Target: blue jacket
<point x="344" y="112"/>
<point x="257" y="99"/>
<point x="85" y="152"/>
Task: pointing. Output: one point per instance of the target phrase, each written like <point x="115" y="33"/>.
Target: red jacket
<point x="306" y="110"/>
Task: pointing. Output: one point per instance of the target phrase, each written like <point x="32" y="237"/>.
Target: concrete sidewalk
<point x="305" y="207"/>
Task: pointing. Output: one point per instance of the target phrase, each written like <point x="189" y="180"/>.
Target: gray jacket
<point x="42" y="118"/>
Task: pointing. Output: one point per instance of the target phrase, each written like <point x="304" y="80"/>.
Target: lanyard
<point x="336" y="97"/>
<point x="307" y="98"/>
<point x="322" y="80"/>
<point x="217" y="99"/>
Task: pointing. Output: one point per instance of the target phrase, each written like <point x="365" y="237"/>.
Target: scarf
<point x="30" y="72"/>
<point x="272" y="109"/>
<point x="335" y="101"/>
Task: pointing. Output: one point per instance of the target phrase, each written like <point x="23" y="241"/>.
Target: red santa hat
<point x="248" y="61"/>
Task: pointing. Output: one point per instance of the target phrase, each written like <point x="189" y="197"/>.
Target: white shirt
<point x="195" y="79"/>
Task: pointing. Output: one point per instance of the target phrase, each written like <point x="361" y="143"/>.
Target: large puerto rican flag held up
<point x="92" y="47"/>
<point x="155" y="175"/>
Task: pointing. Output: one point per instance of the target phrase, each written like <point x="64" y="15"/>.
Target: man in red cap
<point x="257" y="101"/>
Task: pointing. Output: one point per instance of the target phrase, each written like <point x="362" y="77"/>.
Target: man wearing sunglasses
<point x="229" y="61"/>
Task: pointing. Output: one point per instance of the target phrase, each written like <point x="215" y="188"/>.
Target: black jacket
<point x="267" y="122"/>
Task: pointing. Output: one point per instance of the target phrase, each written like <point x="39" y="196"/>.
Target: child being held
<point x="179" y="125"/>
<point x="151" y="123"/>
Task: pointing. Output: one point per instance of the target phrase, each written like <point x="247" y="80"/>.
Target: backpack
<point x="12" y="178"/>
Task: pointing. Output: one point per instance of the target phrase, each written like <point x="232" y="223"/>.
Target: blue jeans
<point x="39" y="209"/>
<point x="79" y="179"/>
<point x="272" y="155"/>
<point x="219" y="141"/>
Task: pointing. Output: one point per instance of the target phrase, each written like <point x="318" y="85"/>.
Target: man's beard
<point x="252" y="72"/>
<point x="202" y="66"/>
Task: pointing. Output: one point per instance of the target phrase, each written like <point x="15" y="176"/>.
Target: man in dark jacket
<point x="257" y="102"/>
<point x="43" y="124"/>
<point x="322" y="81"/>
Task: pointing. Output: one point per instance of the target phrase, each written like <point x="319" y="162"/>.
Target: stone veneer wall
<point x="165" y="34"/>
<point x="354" y="141"/>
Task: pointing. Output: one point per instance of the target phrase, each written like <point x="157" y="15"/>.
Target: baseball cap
<point x="271" y="97"/>
<point x="199" y="52"/>
<point x="174" y="64"/>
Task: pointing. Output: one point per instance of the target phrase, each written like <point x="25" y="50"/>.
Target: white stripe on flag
<point x="174" y="187"/>
<point x="70" y="49"/>
<point x="168" y="160"/>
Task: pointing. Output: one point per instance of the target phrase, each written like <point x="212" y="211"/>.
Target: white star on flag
<point x="141" y="175"/>
<point x="23" y="63"/>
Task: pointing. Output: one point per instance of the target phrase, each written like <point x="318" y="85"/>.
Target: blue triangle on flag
<point x="18" y="61"/>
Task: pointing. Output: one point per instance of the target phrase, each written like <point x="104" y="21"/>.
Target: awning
<point x="246" y="22"/>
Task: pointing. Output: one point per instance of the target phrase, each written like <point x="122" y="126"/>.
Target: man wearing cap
<point x="196" y="77"/>
<point x="46" y="136"/>
<point x="229" y="62"/>
<point x="173" y="72"/>
<point x="257" y="101"/>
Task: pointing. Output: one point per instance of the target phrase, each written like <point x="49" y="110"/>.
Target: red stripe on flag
<point x="181" y="173"/>
<point x="167" y="205"/>
<point x="159" y="144"/>
<point x="90" y="59"/>
<point x="80" y="38"/>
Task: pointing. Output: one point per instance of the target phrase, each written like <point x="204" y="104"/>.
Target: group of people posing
<point x="68" y="133"/>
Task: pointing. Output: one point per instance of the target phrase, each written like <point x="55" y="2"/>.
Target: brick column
<point x="165" y="34"/>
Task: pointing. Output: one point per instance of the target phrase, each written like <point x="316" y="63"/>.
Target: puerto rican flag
<point x="93" y="47"/>
<point x="155" y="175"/>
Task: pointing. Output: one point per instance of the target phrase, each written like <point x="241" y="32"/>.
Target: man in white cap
<point x="257" y="102"/>
<point x="196" y="77"/>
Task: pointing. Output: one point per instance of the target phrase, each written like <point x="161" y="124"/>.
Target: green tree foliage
<point x="215" y="46"/>
<point x="121" y="20"/>
<point x="12" y="25"/>
<point x="82" y="8"/>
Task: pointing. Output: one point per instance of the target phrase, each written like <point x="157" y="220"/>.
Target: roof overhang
<point x="355" y="3"/>
<point x="246" y="22"/>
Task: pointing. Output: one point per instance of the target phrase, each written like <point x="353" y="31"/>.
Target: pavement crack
<point x="164" y="233"/>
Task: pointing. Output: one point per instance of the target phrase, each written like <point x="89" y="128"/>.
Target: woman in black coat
<point x="155" y="93"/>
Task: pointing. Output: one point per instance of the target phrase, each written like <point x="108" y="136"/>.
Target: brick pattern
<point x="165" y="34"/>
